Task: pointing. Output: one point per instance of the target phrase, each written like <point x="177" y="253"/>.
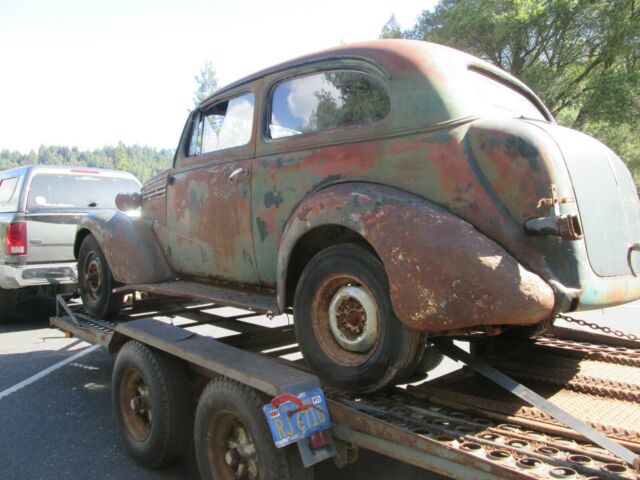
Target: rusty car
<point x="384" y="192"/>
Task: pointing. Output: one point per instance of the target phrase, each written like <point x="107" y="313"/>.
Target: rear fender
<point x="443" y="273"/>
<point x="129" y="245"/>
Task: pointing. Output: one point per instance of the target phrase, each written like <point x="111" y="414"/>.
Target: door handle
<point x="236" y="172"/>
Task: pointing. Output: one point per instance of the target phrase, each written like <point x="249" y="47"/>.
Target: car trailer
<point x="476" y="422"/>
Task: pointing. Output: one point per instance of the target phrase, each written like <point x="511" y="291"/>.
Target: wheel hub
<point x="240" y="455"/>
<point x="93" y="276"/>
<point x="354" y="319"/>
<point x="135" y="404"/>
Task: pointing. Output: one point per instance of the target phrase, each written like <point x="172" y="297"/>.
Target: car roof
<point x="412" y="64"/>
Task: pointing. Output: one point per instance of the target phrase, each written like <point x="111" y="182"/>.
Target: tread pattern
<point x="172" y="404"/>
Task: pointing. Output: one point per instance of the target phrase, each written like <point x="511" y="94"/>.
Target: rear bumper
<point x="19" y="276"/>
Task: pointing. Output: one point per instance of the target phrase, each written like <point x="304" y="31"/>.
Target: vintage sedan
<point x="385" y="191"/>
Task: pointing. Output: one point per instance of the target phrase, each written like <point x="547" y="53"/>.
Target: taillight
<point x="15" y="240"/>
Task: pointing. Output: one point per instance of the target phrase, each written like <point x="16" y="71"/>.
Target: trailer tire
<point x="231" y="433"/>
<point x="96" y="282"/>
<point x="8" y="304"/>
<point x="153" y="402"/>
<point x="341" y="302"/>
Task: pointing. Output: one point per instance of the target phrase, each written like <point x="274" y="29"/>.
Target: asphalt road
<point x="61" y="426"/>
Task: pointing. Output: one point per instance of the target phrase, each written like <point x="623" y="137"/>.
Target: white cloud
<point x="302" y="100"/>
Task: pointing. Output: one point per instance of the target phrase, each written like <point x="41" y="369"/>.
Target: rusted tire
<point x="153" y="402"/>
<point x="95" y="281"/>
<point x="345" y="324"/>
<point x="233" y="441"/>
<point x="8" y="304"/>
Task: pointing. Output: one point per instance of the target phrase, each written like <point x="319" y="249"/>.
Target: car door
<point x="208" y="231"/>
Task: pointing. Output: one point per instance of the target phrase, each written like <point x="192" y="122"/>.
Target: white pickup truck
<point x="40" y="207"/>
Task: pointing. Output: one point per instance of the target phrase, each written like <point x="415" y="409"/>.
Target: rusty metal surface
<point x="246" y="298"/>
<point x="489" y="445"/>
<point x="443" y="273"/>
<point x="600" y="384"/>
<point x="129" y="245"/>
<point x="259" y="372"/>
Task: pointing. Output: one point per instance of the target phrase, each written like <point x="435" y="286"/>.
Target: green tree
<point x="207" y="83"/>
<point x="581" y="56"/>
<point x="391" y="29"/>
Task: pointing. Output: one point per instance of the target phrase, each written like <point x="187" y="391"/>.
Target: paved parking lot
<point x="61" y="426"/>
<point x="55" y="409"/>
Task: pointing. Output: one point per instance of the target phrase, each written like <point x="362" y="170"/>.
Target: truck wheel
<point x="153" y="402"/>
<point x="233" y="441"/>
<point x="96" y="282"/>
<point x="345" y="324"/>
<point x="8" y="304"/>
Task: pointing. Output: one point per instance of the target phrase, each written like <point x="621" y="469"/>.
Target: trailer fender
<point x="443" y="273"/>
<point x="129" y="245"/>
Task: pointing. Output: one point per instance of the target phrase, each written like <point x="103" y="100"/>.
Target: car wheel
<point x="95" y="281"/>
<point x="153" y="403"/>
<point x="345" y="323"/>
<point x="232" y="437"/>
<point x="8" y="304"/>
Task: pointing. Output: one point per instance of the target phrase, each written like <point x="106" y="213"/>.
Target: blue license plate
<point x="289" y="423"/>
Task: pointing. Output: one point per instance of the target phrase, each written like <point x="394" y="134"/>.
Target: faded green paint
<point x="437" y="151"/>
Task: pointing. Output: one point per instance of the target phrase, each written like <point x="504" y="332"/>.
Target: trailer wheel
<point x="153" y="402"/>
<point x="8" y="304"/>
<point x="95" y="281"/>
<point x="233" y="441"/>
<point x="345" y="323"/>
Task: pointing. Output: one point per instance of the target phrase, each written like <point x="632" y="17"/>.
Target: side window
<point x="326" y="100"/>
<point x="7" y="189"/>
<point x="225" y="125"/>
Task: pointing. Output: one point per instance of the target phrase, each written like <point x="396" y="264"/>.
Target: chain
<point x="595" y="326"/>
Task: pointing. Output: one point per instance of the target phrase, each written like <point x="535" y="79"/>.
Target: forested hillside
<point x="143" y="162"/>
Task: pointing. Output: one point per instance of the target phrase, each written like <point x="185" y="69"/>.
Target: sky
<point x="91" y="73"/>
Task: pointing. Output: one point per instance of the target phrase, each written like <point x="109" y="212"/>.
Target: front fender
<point x="129" y="245"/>
<point x="443" y="273"/>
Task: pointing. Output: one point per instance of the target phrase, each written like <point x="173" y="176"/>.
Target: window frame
<point x="11" y="198"/>
<point x="346" y="130"/>
<point x="185" y="160"/>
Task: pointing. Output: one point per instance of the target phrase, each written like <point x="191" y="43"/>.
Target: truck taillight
<point x="15" y="240"/>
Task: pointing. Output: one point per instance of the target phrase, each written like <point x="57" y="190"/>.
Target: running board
<point x="263" y="302"/>
<point x="449" y="349"/>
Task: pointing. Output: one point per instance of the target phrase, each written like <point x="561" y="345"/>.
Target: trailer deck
<point x="459" y="425"/>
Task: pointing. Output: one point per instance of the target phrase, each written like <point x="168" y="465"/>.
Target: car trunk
<point x="607" y="200"/>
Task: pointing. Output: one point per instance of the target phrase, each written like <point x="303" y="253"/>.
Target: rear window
<point x="499" y="98"/>
<point x="7" y="189"/>
<point x="60" y="191"/>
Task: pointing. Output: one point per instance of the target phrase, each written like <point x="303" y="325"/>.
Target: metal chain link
<point x="595" y="326"/>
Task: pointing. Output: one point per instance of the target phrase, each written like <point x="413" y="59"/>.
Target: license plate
<point x="289" y="424"/>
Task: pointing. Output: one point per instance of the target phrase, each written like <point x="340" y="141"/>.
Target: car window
<point x="501" y="99"/>
<point x="226" y="125"/>
<point x="324" y="101"/>
<point x="60" y="191"/>
<point x="7" y="189"/>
